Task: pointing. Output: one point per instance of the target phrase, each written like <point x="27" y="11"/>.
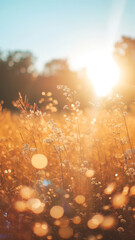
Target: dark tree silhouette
<point x="56" y="66"/>
<point x="124" y="54"/>
<point x="16" y="74"/>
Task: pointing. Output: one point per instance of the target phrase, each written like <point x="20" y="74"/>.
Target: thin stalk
<point x="79" y="137"/>
<point x="59" y="155"/>
<point x="99" y="159"/>
<point x="125" y="122"/>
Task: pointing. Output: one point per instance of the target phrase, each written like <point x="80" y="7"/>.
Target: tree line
<point x="18" y="74"/>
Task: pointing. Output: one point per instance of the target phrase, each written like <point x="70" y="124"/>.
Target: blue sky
<point x="64" y="28"/>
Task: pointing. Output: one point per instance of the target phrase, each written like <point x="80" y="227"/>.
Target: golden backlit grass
<point x="67" y="175"/>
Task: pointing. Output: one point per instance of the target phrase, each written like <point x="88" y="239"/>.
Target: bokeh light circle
<point x="39" y="161"/>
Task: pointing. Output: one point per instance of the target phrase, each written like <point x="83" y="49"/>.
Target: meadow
<point x="68" y="174"/>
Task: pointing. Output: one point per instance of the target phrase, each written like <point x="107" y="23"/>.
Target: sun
<point x="103" y="72"/>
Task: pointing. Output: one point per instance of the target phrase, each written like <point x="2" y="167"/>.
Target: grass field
<point x="67" y="175"/>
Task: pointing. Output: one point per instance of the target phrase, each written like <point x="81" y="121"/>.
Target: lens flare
<point x="103" y="72"/>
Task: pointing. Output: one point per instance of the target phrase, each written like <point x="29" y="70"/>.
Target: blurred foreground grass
<point x="68" y="175"/>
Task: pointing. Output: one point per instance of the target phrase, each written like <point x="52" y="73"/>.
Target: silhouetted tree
<point x="125" y="56"/>
<point x="16" y="74"/>
<point x="56" y="66"/>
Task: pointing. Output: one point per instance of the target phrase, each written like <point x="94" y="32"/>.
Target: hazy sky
<point x="64" y="28"/>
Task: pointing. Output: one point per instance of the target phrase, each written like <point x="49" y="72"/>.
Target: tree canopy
<point x="124" y="54"/>
<point x="56" y="66"/>
<point x="18" y="74"/>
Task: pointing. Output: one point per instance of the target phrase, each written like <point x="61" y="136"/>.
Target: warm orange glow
<point x="66" y="233"/>
<point x="109" y="189"/>
<point x="26" y="192"/>
<point x="40" y="229"/>
<point x="20" y="206"/>
<point x="119" y="200"/>
<point x="56" y="212"/>
<point x="76" y="220"/>
<point x="39" y="161"/>
<point x="95" y="221"/>
<point x="64" y="222"/>
<point x="108" y="223"/>
<point x="80" y="199"/>
<point x="89" y="173"/>
<point x="35" y="205"/>
<point x="132" y="191"/>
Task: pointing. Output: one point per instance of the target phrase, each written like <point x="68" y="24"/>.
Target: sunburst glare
<point x="103" y="72"/>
